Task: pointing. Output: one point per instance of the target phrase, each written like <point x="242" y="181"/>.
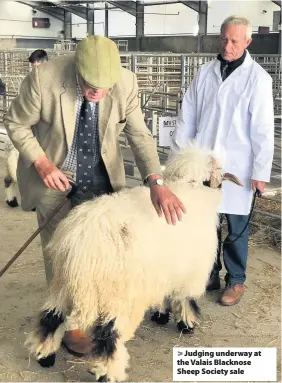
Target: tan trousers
<point x="46" y="205"/>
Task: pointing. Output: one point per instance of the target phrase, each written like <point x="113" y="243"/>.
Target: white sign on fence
<point x="166" y="129"/>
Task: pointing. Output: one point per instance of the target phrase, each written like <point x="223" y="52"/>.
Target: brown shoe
<point x="77" y="343"/>
<point x="232" y="295"/>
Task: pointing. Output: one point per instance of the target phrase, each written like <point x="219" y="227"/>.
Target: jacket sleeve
<point x="139" y="137"/>
<point x="186" y="124"/>
<point x="24" y="112"/>
<point x="262" y="128"/>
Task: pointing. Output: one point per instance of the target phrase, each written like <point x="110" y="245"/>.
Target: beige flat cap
<point x="98" y="61"/>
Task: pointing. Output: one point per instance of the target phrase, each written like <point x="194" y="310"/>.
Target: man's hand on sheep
<point x="166" y="202"/>
<point x="52" y="177"/>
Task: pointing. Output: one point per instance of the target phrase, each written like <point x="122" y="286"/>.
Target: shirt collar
<point x="78" y="89"/>
<point x="233" y="64"/>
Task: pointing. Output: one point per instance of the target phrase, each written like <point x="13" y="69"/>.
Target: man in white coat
<point x="229" y="108"/>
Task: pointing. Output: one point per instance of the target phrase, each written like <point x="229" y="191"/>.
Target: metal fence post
<point x="133" y="63"/>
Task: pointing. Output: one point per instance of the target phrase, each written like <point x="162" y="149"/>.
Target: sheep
<point x="114" y="258"/>
<point x="10" y="176"/>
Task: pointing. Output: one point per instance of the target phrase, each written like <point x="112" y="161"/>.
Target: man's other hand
<point x="52" y="177"/>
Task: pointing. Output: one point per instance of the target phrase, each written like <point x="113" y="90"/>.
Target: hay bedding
<point x="261" y="233"/>
<point x="270" y="205"/>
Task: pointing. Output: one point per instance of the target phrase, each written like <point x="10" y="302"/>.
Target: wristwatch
<point x="158" y="181"/>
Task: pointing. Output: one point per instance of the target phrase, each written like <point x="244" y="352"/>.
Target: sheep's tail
<point x="87" y="251"/>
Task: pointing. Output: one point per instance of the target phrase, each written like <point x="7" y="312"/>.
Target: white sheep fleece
<point x="115" y="258"/>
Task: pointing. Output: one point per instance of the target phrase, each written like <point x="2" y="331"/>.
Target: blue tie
<point x="85" y="148"/>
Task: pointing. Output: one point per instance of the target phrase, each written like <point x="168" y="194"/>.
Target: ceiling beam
<point x="37" y="5"/>
<point x="195" y="5"/>
<point x="58" y="8"/>
<point x="126" y="6"/>
<point x="77" y="10"/>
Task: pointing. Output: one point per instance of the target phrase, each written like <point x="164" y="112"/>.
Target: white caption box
<point x="224" y="364"/>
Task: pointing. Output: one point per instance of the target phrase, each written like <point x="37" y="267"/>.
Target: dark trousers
<point x="234" y="254"/>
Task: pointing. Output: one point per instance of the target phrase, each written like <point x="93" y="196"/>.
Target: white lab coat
<point x="235" y="118"/>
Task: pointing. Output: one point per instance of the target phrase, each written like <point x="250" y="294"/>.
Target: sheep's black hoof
<point x="13" y="202"/>
<point x="47" y="362"/>
<point x="34" y="209"/>
<point x="160" y="318"/>
<point x="103" y="378"/>
<point x="184" y="328"/>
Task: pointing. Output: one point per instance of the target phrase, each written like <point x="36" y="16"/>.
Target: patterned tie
<point x="85" y="148"/>
<point x="223" y="72"/>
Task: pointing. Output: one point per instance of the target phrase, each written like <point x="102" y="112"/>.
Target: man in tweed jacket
<point x="42" y="123"/>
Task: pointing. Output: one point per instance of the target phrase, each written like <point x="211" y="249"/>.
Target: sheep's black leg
<point x="184" y="328"/>
<point x="110" y="356"/>
<point x="103" y="378"/>
<point x="49" y="361"/>
<point x="49" y="322"/>
<point x="162" y="316"/>
<point x="185" y="313"/>
<point x="195" y="308"/>
<point x="104" y="341"/>
<point x="11" y="200"/>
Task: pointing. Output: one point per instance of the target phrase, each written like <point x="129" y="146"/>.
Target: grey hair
<point x="237" y="20"/>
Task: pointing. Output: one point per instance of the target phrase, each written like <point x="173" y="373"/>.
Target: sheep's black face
<point x="207" y="183"/>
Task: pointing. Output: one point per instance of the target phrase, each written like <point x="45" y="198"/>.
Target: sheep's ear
<point x="230" y="177"/>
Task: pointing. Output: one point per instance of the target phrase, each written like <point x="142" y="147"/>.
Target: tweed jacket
<point x="41" y="120"/>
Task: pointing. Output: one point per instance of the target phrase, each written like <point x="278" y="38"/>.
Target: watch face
<point x="160" y="182"/>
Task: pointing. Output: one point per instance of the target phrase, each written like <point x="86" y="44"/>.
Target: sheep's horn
<point x="232" y="178"/>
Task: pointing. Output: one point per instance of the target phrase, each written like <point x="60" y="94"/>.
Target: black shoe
<point x="214" y="282"/>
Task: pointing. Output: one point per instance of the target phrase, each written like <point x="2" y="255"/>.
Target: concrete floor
<point x="254" y="322"/>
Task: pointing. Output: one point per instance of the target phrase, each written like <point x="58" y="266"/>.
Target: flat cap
<point x="98" y="61"/>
